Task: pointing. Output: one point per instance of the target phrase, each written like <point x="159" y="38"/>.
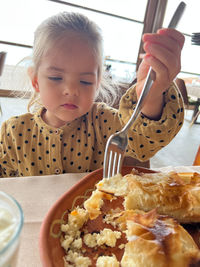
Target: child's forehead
<point x="72" y="39"/>
<point x="71" y="53"/>
<point x="71" y="43"/>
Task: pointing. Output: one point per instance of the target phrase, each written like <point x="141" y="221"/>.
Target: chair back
<point x="197" y="158"/>
<point x="182" y="88"/>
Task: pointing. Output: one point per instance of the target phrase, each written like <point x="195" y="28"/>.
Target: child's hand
<point x="163" y="53"/>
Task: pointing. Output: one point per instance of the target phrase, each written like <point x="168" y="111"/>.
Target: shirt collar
<point x="45" y="127"/>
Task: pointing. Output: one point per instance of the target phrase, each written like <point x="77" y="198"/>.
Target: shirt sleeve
<point x="146" y="136"/>
<point x="7" y="161"/>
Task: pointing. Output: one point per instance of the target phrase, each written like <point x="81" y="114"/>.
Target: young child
<point x="69" y="132"/>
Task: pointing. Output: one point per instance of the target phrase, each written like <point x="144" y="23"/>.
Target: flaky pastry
<point x="171" y="194"/>
<point x="157" y="240"/>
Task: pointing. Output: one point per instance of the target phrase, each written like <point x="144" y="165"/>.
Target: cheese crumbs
<point x="106" y="236"/>
<point x="107" y="261"/>
<point x="76" y="259"/>
<point x="72" y="241"/>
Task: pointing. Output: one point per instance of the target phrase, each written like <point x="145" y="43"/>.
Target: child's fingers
<point x="174" y="34"/>
<point x="165" y="48"/>
<point x="170" y="33"/>
<point x="164" y="41"/>
<point x="165" y="56"/>
<point x="163" y="73"/>
<point x="162" y="79"/>
<point x="143" y="69"/>
<point x="168" y="38"/>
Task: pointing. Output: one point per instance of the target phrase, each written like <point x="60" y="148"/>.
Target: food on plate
<point x="134" y="221"/>
<point x="151" y="240"/>
<point x="157" y="240"/>
<point x="171" y="194"/>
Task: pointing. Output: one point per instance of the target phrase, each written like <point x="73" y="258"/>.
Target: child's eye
<point x="54" y="78"/>
<point x="86" y="83"/>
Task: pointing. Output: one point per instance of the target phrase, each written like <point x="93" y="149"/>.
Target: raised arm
<point x="163" y="54"/>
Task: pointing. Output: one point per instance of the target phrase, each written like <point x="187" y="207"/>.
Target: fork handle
<point x="139" y="105"/>
<point x="151" y="74"/>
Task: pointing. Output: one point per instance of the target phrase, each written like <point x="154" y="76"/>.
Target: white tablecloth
<point x="36" y="195"/>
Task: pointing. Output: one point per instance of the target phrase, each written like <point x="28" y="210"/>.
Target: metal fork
<point x="117" y="143"/>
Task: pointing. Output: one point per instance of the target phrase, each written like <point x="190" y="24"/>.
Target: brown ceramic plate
<point x="51" y="252"/>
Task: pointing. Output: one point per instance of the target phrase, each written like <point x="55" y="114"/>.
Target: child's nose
<point x="71" y="89"/>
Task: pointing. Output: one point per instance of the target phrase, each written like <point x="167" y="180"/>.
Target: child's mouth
<point x="69" y="106"/>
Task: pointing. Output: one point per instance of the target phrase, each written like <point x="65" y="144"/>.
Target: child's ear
<point x="33" y="78"/>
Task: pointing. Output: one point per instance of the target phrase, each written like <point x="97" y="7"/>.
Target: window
<point x="187" y="25"/>
<point x="121" y="23"/>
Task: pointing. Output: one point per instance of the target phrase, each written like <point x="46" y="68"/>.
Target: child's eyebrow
<point x="88" y="73"/>
<point x="55" y="68"/>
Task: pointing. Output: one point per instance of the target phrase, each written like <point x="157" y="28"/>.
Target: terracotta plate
<point x="51" y="252"/>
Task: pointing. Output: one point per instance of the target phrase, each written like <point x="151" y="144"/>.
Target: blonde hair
<point x="54" y="28"/>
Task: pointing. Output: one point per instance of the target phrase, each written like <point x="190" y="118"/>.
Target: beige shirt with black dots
<point x="28" y="146"/>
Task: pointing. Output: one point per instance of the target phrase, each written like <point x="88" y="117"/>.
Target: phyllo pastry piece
<point x="94" y="204"/>
<point x="173" y="194"/>
<point x="116" y="185"/>
<point x="157" y="240"/>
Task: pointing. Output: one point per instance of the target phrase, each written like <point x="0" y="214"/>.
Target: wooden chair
<point x="128" y="161"/>
<point x="195" y="118"/>
<point x="2" y="61"/>
<point x="189" y="103"/>
<point x="197" y="158"/>
<point x="183" y="90"/>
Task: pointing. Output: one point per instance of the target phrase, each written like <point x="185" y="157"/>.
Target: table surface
<point x="36" y="195"/>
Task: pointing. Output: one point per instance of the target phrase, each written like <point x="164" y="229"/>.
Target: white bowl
<point x="11" y="223"/>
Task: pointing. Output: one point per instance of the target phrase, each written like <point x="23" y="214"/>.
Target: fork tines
<point x="195" y="38"/>
<point x="113" y="161"/>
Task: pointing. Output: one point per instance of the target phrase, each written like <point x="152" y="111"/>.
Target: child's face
<point x="67" y="80"/>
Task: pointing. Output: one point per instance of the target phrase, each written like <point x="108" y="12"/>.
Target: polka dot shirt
<point x="28" y="146"/>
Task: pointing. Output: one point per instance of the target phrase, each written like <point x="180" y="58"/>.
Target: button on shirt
<point x="28" y="146"/>
<point x="57" y="171"/>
